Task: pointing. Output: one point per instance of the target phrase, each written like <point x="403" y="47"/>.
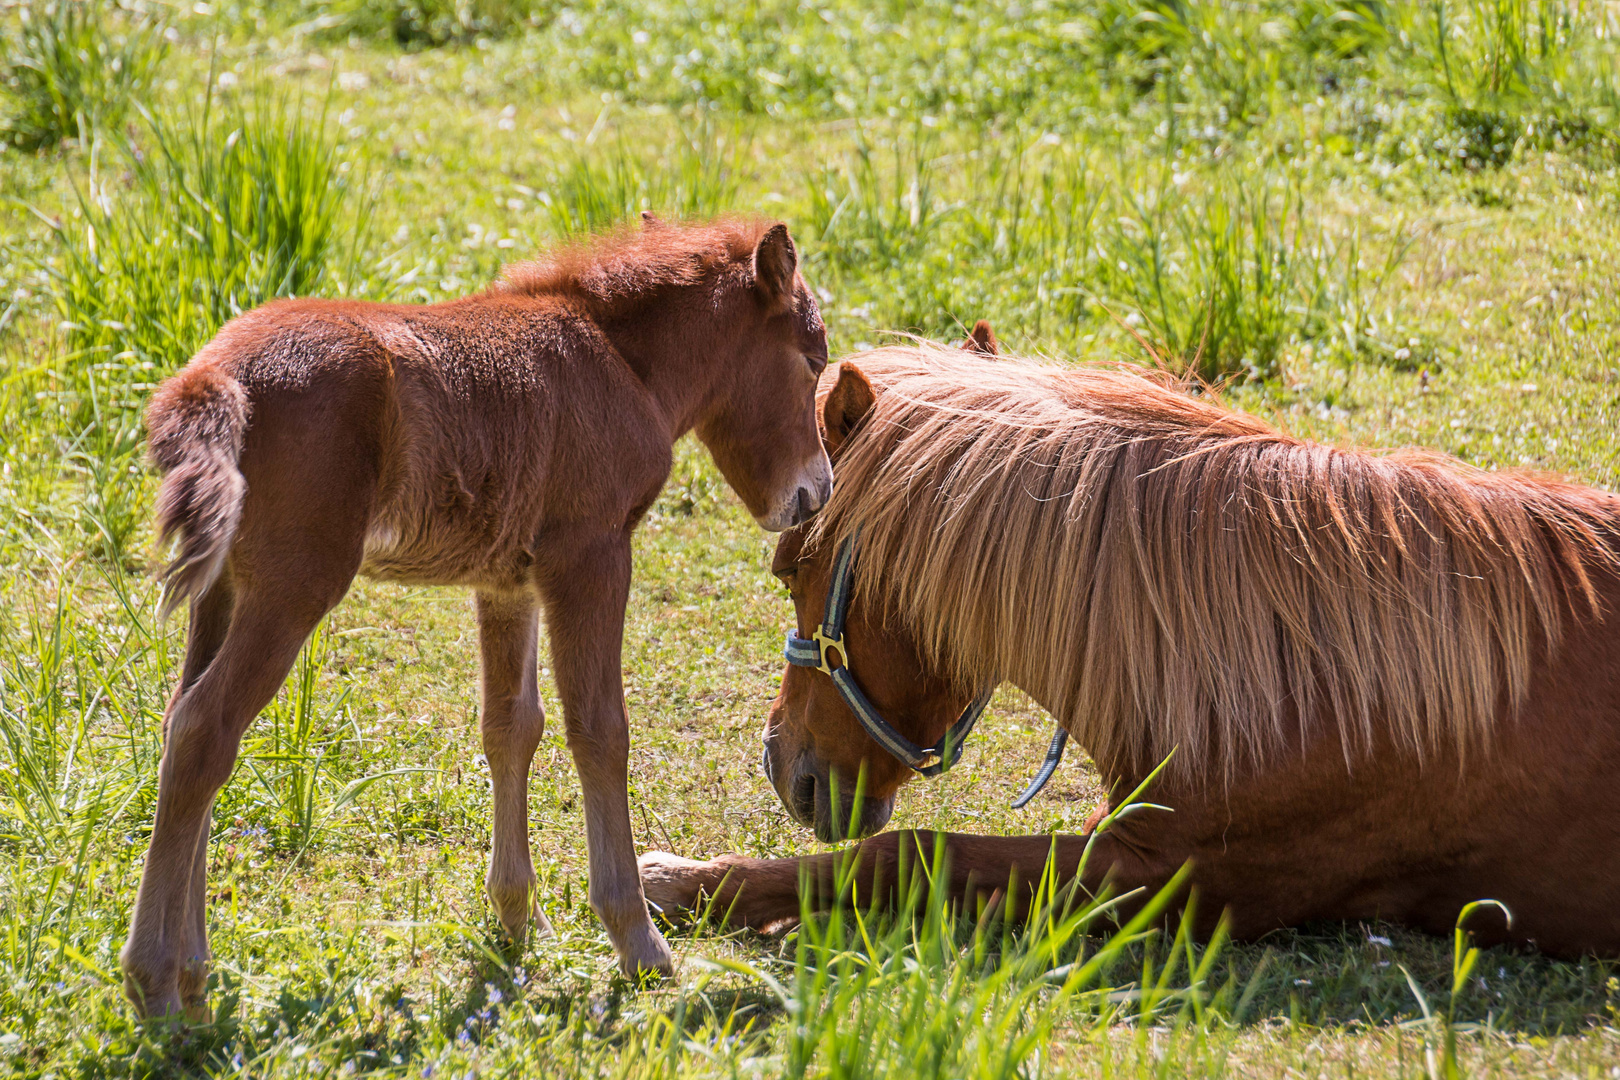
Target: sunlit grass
<point x="73" y="68"/>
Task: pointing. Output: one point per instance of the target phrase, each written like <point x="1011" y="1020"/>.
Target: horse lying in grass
<point x="1390" y="682"/>
<point x="509" y="442"/>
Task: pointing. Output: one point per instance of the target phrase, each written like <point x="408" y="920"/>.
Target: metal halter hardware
<point x="812" y="652"/>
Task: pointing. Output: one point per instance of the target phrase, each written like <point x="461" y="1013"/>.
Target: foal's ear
<point x="650" y="221"/>
<point x="850" y="399"/>
<point x="775" y="260"/>
<point x="982" y="339"/>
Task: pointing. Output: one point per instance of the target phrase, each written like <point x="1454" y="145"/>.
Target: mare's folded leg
<point x="762" y="892"/>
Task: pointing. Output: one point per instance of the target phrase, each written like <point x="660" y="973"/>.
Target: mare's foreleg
<point x="879" y="871"/>
<point x="512" y="722"/>
<point x="586" y="584"/>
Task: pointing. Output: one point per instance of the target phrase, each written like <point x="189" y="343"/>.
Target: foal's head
<point x="762" y="428"/>
<point x="718" y="321"/>
<point x="816" y="752"/>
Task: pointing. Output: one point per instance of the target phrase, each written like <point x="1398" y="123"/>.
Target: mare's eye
<point x="818" y="364"/>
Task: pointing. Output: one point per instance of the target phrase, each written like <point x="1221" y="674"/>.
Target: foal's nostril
<point x="803" y="511"/>
<point x="765" y="765"/>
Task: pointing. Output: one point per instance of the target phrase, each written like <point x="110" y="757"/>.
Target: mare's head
<point x="816" y="752"/>
<point x="761" y="427"/>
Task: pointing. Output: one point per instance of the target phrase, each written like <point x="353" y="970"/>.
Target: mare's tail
<point x="195" y="425"/>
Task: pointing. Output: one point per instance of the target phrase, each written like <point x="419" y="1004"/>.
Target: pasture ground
<point x="1394" y="224"/>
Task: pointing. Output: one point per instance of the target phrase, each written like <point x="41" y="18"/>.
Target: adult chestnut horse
<point x="509" y="442"/>
<point x="1391" y="681"/>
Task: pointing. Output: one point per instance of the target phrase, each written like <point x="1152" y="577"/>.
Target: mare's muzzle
<point x="827" y="804"/>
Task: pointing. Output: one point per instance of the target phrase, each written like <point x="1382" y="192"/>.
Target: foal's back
<point x="449" y="410"/>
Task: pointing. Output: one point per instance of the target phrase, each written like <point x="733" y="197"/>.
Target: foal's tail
<point x="195" y="425"/>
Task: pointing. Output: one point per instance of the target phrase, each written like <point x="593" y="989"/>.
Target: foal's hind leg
<point x="165" y="960"/>
<point x="512" y="722"/>
<point x="210" y="621"/>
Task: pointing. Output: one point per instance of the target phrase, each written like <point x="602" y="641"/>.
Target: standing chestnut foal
<point x="510" y="442"/>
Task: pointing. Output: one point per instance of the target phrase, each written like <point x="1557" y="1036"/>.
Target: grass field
<point x="1385" y="224"/>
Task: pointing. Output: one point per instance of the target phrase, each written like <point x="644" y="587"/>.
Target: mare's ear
<point x="982" y="339"/>
<point x="850" y="399"/>
<point x="775" y="260"/>
<point x="650" y="221"/>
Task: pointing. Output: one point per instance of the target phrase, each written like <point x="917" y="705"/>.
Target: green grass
<point x="72" y="67"/>
<point x="1386" y="224"/>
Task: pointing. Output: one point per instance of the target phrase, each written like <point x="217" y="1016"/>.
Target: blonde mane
<point x="1165" y="573"/>
<point x="630" y="263"/>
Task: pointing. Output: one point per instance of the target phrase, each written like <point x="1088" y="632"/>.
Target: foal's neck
<point x="679" y="346"/>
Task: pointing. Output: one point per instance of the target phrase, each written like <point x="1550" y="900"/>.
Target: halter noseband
<point x="812" y="652"/>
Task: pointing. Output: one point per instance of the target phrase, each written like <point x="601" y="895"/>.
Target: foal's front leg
<point x="512" y="722"/>
<point x="585" y="582"/>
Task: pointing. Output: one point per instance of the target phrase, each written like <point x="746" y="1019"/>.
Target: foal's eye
<point x="818" y="364"/>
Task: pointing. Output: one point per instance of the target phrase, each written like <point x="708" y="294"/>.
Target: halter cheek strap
<point x="829" y="636"/>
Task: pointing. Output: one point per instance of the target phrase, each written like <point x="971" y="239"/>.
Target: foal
<point x="509" y="442"/>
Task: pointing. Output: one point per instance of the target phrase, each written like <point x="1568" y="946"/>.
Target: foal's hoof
<point x="155" y="994"/>
<point x="152" y="1004"/>
<point x="645" y="956"/>
<point x="518" y="928"/>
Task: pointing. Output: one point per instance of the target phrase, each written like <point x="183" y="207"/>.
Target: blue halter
<point x="812" y="652"/>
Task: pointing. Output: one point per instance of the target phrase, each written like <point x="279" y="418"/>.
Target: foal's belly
<point x="442" y="553"/>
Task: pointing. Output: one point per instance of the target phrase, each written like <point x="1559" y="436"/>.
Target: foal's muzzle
<point x="808" y="502"/>
<point x="813" y="490"/>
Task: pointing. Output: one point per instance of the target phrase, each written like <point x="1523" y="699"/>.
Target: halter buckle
<point x="823" y="643"/>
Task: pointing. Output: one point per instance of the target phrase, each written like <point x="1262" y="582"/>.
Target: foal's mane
<point x="620" y="268"/>
<point x="1166" y="573"/>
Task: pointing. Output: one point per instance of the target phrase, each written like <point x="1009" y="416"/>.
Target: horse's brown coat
<point x="1453" y="733"/>
<point x="508" y="442"/>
